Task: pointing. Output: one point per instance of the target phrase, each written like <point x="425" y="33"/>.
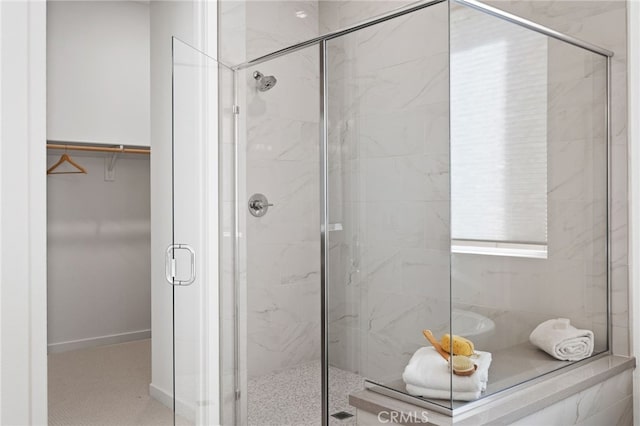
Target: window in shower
<point x="498" y="138"/>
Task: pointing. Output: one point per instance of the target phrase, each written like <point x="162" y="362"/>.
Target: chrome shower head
<point x="264" y="82"/>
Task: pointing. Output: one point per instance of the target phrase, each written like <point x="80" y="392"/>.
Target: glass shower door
<point x="193" y="261"/>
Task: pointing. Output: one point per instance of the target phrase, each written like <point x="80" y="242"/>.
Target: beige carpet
<point x="107" y="385"/>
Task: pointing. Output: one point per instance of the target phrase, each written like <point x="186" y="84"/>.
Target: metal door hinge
<point x="236" y="109"/>
<point x="237" y="394"/>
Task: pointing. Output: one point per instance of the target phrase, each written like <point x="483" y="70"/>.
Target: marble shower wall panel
<point x="279" y="253"/>
<point x="278" y="156"/>
<point x="344" y="260"/>
<point x="575" y="272"/>
<point x="577" y="88"/>
<point x="335" y="15"/>
<point x="232" y="31"/>
<point x="249" y="29"/>
<point x="283" y="247"/>
<point x="604" y="24"/>
<point x="571" y="283"/>
<point x="274" y="25"/>
<point x="389" y="188"/>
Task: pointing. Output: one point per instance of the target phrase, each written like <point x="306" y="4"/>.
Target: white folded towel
<point x="442" y="394"/>
<point x="428" y="375"/>
<point x="561" y="340"/>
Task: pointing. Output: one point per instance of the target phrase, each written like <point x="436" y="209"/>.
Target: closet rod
<point x="93" y="148"/>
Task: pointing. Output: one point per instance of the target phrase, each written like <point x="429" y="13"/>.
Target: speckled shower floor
<point x="293" y="396"/>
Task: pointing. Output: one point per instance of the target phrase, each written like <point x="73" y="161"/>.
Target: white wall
<point x="99" y="266"/>
<point x="23" y="366"/>
<point x="98" y="72"/>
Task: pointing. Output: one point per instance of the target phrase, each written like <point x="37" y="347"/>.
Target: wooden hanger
<point x="65" y="158"/>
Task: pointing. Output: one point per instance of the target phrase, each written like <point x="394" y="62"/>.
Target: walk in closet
<point x="98" y="214"/>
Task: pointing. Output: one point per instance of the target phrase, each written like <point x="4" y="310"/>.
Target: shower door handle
<point x="170" y="267"/>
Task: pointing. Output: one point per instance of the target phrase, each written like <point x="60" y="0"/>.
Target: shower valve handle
<point x="259" y="205"/>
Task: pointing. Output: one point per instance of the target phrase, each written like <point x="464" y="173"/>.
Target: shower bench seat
<point x="604" y="384"/>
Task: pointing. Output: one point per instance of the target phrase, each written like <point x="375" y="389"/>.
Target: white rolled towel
<point x="561" y="340"/>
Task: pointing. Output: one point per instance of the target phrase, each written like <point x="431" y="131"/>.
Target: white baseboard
<point x="99" y="341"/>
<point x="183" y="409"/>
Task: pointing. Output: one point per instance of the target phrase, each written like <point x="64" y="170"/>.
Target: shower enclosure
<point x="441" y="167"/>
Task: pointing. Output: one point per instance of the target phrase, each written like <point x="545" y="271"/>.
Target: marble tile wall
<point x="388" y="140"/>
<point x="602" y="23"/>
<point x="609" y="402"/>
<point x="335" y="15"/>
<point x="277" y="268"/>
<point x="519" y="293"/>
<point x="282" y="162"/>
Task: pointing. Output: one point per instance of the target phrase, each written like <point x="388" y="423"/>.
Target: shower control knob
<point x="259" y="205"/>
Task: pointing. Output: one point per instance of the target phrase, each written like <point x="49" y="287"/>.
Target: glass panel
<point x="389" y="236"/>
<point x="523" y="180"/>
<point x="196" y="152"/>
<point x="529" y="112"/>
<point x="229" y="247"/>
<point x="280" y="297"/>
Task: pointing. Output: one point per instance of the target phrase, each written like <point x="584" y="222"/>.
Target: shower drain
<point x="341" y="415"/>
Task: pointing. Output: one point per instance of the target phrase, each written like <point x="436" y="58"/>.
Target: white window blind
<point x="498" y="131"/>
